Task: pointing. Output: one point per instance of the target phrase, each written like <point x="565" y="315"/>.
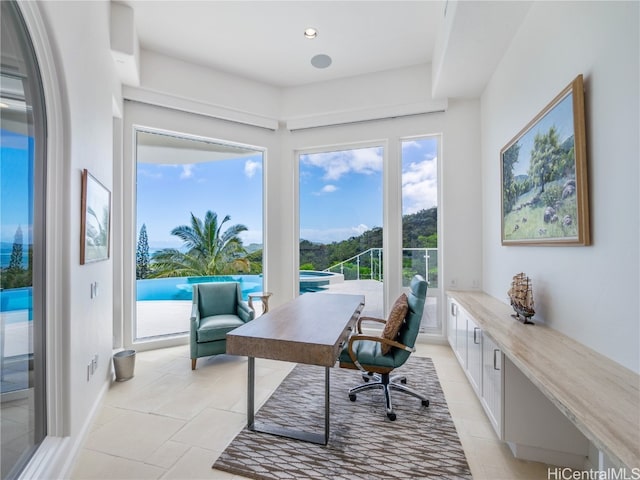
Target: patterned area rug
<point x="363" y="444"/>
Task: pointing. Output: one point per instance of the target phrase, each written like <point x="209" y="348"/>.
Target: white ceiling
<point x="264" y="41"/>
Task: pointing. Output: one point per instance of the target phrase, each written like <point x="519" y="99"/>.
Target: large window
<point x="22" y="193"/>
<point x="341" y="223"/>
<point x="420" y="222"/>
<point x="199" y="219"/>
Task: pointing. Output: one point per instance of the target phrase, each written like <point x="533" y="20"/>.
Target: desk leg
<point x="317" y="438"/>
<point x="326" y="405"/>
<point x="251" y="382"/>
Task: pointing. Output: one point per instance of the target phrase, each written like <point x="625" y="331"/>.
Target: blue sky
<point x="168" y="194"/>
<point x="15" y="182"/>
<point x="341" y="191"/>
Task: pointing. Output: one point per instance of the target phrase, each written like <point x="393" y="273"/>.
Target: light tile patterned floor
<point x="170" y="422"/>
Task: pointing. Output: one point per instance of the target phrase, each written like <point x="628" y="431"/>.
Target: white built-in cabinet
<point x="476" y="351"/>
<point x="520" y="414"/>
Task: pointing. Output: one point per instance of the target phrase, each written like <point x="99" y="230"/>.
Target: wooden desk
<point x="310" y="329"/>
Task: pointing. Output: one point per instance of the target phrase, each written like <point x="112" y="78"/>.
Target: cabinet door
<point x="452" y="317"/>
<point x="492" y="380"/>
<point x="461" y="336"/>
<point x="474" y="354"/>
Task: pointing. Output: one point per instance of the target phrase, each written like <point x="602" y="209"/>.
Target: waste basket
<point x="124" y="362"/>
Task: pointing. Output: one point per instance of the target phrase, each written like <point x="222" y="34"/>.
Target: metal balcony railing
<point x="368" y="265"/>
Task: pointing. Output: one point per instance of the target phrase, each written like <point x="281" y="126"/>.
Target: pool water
<point x="181" y="288"/>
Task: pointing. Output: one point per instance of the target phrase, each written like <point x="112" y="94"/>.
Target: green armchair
<point x="377" y="356"/>
<point x="217" y="309"/>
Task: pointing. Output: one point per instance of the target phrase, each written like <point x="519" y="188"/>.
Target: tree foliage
<point x="142" y="254"/>
<point x="545" y="158"/>
<point x="509" y="185"/>
<point x="210" y="250"/>
<point x="419" y="230"/>
<point x="15" y="263"/>
<point x="15" y="275"/>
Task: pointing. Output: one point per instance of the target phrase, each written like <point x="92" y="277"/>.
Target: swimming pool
<point x="180" y="288"/>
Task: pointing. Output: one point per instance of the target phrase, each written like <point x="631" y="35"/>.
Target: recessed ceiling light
<point x="310" y="33"/>
<point x="321" y="61"/>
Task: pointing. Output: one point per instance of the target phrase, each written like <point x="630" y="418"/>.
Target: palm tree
<point x="210" y="251"/>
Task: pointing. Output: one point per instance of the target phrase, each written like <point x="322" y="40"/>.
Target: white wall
<point x="589" y="293"/>
<point x="210" y="91"/>
<point x="389" y="93"/>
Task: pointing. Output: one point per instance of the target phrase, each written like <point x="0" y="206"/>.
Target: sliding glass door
<point x="22" y="193"/>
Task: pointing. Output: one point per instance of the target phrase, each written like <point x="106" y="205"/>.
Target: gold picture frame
<point x="95" y="229"/>
<point x="544" y="199"/>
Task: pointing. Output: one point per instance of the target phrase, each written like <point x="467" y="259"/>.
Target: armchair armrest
<point x="367" y="319"/>
<point x="359" y="337"/>
<point x="195" y="315"/>
<point x="244" y="312"/>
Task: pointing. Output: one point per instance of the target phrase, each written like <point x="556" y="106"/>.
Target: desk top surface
<point x="308" y="329"/>
<point x="601" y="397"/>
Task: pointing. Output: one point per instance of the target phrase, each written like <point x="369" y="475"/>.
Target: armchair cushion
<point x="217" y="299"/>
<point x="394" y="322"/>
<point x="216" y="327"/>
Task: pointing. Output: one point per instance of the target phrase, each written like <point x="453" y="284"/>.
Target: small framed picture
<point x="95" y="227"/>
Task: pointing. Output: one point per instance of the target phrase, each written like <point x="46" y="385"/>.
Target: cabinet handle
<point x="495" y="358"/>
<point x="454" y="310"/>
<point x="475" y="340"/>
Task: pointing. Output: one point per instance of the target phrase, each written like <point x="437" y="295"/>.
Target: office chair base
<point x="386" y="384"/>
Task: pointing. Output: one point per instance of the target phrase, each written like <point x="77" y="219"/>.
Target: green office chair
<point x="217" y="309"/>
<point x="369" y="353"/>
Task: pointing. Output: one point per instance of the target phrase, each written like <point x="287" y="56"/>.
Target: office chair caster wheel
<point x="425" y="403"/>
<point x="352" y="397"/>
<point x="392" y="416"/>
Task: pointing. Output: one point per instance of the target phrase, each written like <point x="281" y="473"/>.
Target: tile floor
<point x="172" y="423"/>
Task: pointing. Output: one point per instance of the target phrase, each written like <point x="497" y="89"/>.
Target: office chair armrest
<point x="360" y="337"/>
<point x="367" y="319"/>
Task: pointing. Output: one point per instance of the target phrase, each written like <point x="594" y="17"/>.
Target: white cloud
<point x="420" y="186"/>
<point x="360" y="229"/>
<point x="251" y="236"/>
<point x="251" y="167"/>
<point x="411" y="144"/>
<point x="187" y="170"/>
<point x="336" y="164"/>
<point x="326" y="189"/>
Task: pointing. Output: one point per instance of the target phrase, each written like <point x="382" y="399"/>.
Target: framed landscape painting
<point x="95" y="221"/>
<point x="544" y="176"/>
